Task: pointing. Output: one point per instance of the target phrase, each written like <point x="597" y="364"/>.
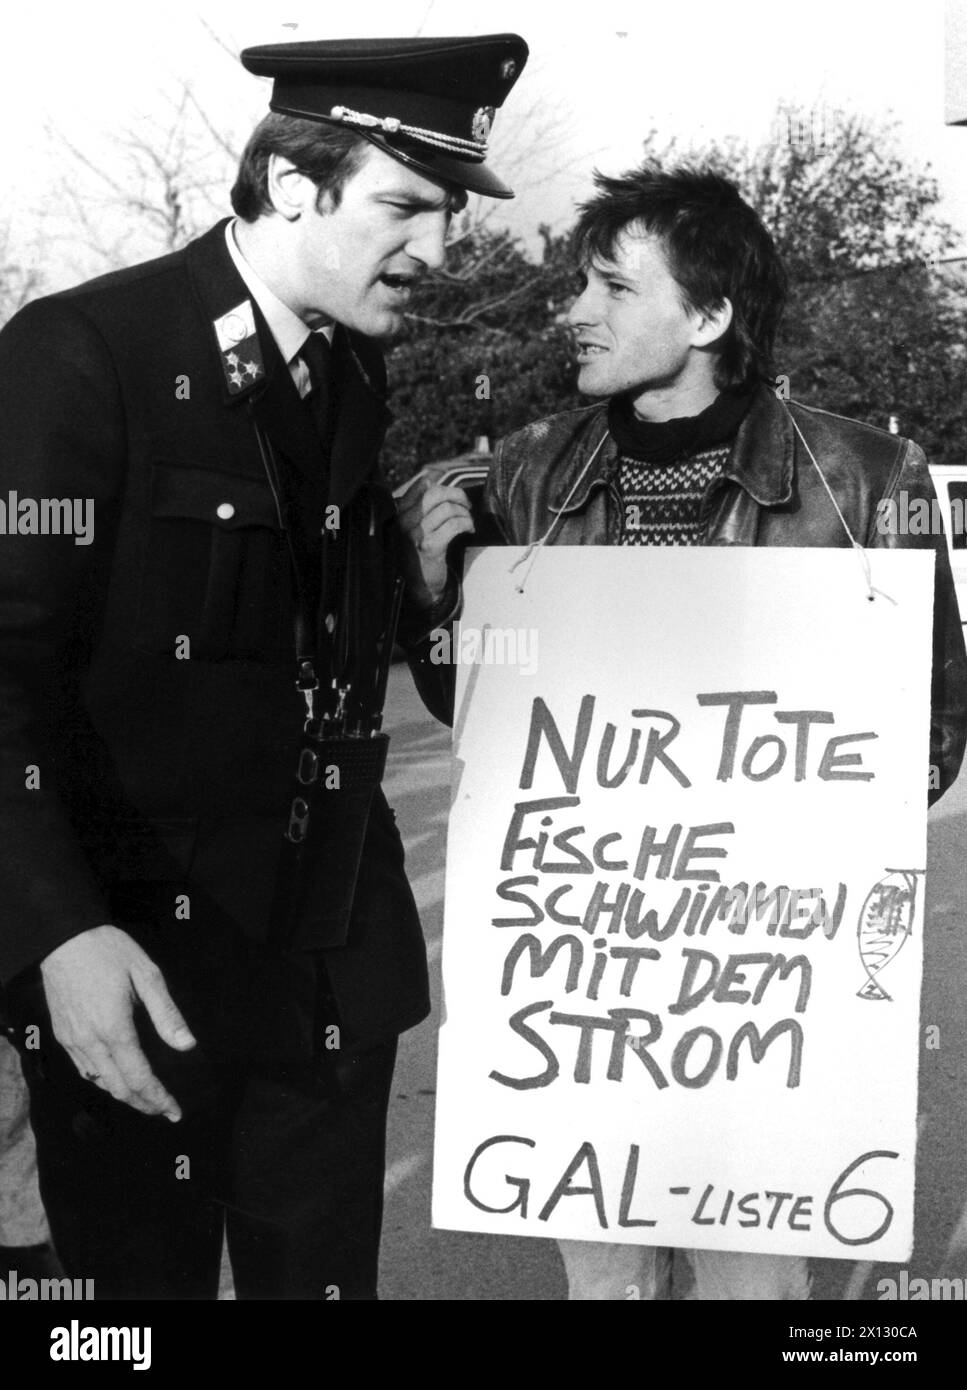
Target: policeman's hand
<point x="431" y="516"/>
<point x="92" y="983"/>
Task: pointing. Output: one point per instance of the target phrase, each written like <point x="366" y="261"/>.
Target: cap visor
<point x="443" y="167"/>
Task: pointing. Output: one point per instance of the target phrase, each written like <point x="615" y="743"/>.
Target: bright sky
<point x="604" y="71"/>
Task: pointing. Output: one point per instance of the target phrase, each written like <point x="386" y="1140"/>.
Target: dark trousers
<point x="286" y="1161"/>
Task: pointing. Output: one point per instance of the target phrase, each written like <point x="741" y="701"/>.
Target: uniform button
<point x="225" y="511"/>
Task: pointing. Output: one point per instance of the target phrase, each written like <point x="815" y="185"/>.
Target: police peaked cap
<point x="429" y="103"/>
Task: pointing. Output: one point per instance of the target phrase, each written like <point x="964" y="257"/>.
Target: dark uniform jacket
<point x="770" y="493"/>
<point x="159" y="773"/>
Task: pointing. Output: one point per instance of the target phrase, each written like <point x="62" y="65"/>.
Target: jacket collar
<point x="587" y="465"/>
<point x="229" y="312"/>
<point x="762" y="458"/>
<point x="287" y="328"/>
<point x="358" y="376"/>
<point x="761" y="462"/>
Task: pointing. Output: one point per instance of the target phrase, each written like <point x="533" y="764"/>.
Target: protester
<point x="690" y="441"/>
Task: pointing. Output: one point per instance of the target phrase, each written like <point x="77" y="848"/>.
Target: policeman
<point x="207" y="926"/>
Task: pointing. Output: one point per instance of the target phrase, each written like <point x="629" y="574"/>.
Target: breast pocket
<point x="214" y="579"/>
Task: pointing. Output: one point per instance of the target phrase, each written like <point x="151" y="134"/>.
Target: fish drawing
<point x="886" y="921"/>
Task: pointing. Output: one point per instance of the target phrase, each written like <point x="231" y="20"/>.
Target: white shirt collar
<point x="288" y="330"/>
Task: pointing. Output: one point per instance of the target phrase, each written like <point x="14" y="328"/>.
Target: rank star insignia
<point x="237" y="372"/>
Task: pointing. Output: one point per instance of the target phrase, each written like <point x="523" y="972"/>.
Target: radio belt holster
<point x="342" y="678"/>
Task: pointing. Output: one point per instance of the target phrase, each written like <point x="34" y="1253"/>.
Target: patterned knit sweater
<point x="662" y="502"/>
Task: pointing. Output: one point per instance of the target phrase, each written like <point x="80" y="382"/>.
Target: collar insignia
<point x="239" y="347"/>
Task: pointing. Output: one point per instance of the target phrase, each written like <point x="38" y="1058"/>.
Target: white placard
<point x="684" y="897"/>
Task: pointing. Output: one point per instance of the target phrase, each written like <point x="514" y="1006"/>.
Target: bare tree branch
<point x="227" y="146"/>
<point x="231" y="48"/>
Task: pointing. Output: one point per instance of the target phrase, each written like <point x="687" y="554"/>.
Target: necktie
<point x="315" y="352"/>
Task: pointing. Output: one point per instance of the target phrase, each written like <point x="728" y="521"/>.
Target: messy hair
<point x="716" y="246"/>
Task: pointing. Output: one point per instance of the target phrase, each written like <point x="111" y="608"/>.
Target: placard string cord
<point x="858" y="549"/>
<point x="530" y="552"/>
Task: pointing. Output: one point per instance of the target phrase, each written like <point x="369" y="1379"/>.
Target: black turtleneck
<point x="666" y="441"/>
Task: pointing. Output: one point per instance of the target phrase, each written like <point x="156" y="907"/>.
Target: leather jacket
<point x="557" y="477"/>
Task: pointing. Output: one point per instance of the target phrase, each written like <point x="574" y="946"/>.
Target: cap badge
<point x="508" y="70"/>
<point x="483" y="119"/>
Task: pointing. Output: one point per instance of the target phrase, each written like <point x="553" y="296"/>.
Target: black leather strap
<point x="305" y="631"/>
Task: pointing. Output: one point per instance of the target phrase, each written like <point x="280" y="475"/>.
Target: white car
<point x="950" y="480"/>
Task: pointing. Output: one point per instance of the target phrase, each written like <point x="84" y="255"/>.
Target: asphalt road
<point x="423" y="1264"/>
